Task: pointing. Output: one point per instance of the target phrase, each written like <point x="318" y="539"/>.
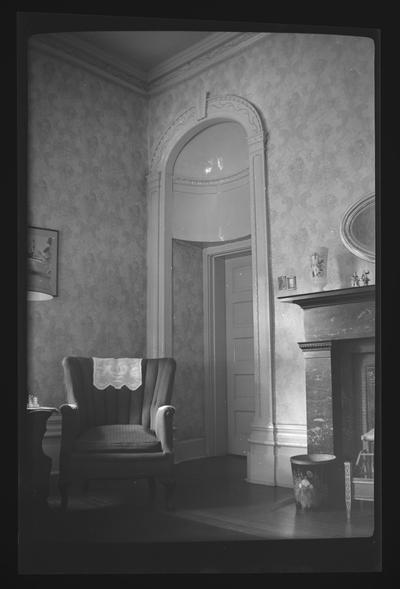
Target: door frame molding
<point x="212" y="409"/>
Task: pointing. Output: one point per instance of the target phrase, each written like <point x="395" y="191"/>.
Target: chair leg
<point x="63" y="488"/>
<point x="152" y="491"/>
<point x="169" y="488"/>
<point x="347" y="487"/>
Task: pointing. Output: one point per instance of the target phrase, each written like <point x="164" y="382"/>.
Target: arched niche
<point x="211" y="186"/>
<point x="208" y="111"/>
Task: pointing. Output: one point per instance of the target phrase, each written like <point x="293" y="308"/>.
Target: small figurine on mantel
<point x="355" y="279"/>
<point x="360" y="280"/>
<point x="364" y="278"/>
<point x="33" y="402"/>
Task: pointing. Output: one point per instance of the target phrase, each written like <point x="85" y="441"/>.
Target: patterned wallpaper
<point x="315" y="94"/>
<point x="187" y="285"/>
<point x="87" y="159"/>
<point x="87" y="162"/>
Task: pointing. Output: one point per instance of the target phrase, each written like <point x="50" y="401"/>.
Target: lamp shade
<point x="38" y="296"/>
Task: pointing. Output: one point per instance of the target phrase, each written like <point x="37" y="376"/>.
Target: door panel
<point x="241" y="277"/>
<point x="239" y="352"/>
<point x="244" y="386"/>
<point x="242" y="313"/>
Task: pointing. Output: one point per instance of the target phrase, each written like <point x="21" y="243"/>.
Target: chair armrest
<point x="164" y="431"/>
<point x="70" y="424"/>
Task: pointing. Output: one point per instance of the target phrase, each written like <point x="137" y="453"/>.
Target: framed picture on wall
<point x="42" y="261"/>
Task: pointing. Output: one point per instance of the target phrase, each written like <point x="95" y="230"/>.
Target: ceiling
<point x="142" y="49"/>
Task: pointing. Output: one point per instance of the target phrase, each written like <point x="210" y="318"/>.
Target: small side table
<point x="39" y="463"/>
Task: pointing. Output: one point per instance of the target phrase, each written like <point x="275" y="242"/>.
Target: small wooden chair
<point x="361" y="487"/>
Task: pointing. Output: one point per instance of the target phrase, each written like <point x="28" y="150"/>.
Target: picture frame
<point x="291" y="282"/>
<point x="42" y="260"/>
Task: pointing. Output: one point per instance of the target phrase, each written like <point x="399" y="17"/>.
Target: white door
<point x="239" y="352"/>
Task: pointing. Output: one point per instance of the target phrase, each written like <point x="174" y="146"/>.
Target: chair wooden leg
<point x="169" y="488"/>
<point x="347" y="487"/>
<point x="63" y="488"/>
<point x="152" y="491"/>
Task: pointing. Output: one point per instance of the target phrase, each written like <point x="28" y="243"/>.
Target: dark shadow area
<point x="214" y="505"/>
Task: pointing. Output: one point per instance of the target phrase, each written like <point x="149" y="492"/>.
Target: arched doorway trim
<point x="261" y="458"/>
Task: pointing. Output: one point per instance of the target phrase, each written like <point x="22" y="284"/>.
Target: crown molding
<point x="186" y="64"/>
<point x="198" y="58"/>
<point x="77" y="51"/>
<point x="190" y="54"/>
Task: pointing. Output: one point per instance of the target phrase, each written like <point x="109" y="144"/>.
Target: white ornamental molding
<point x="184" y="183"/>
<point x="256" y="139"/>
<point x="316" y="346"/>
<point x="231" y="107"/>
<point x="227" y="45"/>
<point x="244" y="111"/>
<point x="168" y="135"/>
<point x="202" y="101"/>
<point x="291" y="435"/>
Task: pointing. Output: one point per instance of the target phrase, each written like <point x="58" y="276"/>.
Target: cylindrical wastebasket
<point x="312" y="480"/>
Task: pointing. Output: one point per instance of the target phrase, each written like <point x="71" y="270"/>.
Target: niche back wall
<point x="86" y="178"/>
<point x="188" y="348"/>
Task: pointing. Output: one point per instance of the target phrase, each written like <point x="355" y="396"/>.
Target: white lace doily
<point x="117" y="372"/>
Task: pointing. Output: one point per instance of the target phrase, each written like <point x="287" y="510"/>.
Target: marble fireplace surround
<point x="337" y="325"/>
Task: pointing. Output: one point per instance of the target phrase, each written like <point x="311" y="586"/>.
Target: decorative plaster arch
<point x="209" y="111"/>
<point x="229" y="107"/>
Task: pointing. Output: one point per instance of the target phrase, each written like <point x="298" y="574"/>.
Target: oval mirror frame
<point x="352" y="235"/>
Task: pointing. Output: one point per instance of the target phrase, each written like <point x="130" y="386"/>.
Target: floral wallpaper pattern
<point x="88" y="155"/>
<point x="87" y="159"/>
<point x="187" y="285"/>
<point x="315" y="94"/>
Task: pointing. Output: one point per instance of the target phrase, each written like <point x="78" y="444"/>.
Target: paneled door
<point x="239" y="352"/>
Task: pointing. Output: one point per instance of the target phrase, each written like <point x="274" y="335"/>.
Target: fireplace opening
<point x="353" y="376"/>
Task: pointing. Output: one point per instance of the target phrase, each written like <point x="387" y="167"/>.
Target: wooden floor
<point x="213" y="503"/>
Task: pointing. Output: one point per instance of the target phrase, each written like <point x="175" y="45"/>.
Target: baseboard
<point x="289" y="434"/>
<point x="291" y="439"/>
<point x="189" y="449"/>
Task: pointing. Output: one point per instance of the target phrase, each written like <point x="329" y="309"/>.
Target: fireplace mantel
<point x="339" y="327"/>
<point x="337" y="314"/>
<point x="331" y="297"/>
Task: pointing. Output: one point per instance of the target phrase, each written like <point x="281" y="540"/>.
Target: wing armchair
<point x="117" y="433"/>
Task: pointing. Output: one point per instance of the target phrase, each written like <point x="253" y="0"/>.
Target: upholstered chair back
<point x="118" y="406"/>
